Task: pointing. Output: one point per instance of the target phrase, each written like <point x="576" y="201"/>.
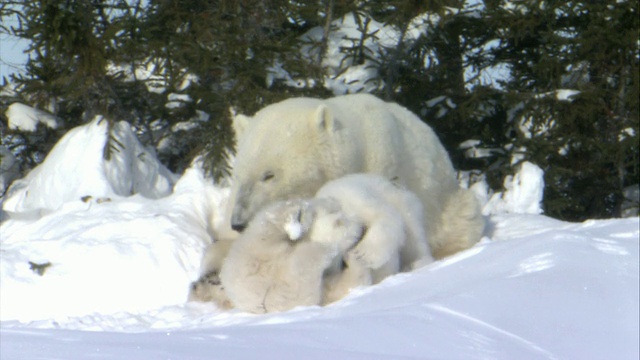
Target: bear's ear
<point x="324" y="120"/>
<point x="240" y="124"/>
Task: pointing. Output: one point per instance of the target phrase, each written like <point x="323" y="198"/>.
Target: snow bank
<point x="76" y="168"/>
<point x="542" y="289"/>
<point x="128" y="254"/>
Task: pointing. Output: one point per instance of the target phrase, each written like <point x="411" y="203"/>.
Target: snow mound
<point x="542" y="289"/>
<point x="76" y="168"/>
<point x="103" y="256"/>
<point x="25" y="118"/>
<point x="523" y="193"/>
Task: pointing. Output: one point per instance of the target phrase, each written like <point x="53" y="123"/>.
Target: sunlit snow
<point x="96" y="257"/>
<point x="26" y="118"/>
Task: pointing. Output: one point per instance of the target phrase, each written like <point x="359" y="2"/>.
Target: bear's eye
<point x="268" y="176"/>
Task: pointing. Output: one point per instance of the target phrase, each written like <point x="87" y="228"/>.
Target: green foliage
<point x="176" y="69"/>
<point x="583" y="143"/>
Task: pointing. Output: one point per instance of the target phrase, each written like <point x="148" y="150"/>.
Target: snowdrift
<point x="76" y="168"/>
<point x="107" y="276"/>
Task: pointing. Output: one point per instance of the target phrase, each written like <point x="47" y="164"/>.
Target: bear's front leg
<point x="214" y="256"/>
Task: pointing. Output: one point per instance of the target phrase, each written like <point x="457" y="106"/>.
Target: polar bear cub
<point x="279" y="261"/>
<point x="395" y="239"/>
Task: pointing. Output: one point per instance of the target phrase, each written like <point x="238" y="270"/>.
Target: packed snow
<point x="96" y="257"/>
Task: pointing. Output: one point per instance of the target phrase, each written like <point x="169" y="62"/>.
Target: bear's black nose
<point x="238" y="227"/>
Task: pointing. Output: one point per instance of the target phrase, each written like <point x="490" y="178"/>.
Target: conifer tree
<point x="176" y="69"/>
<point x="586" y="143"/>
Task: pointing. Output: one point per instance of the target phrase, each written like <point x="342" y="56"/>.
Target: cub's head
<point x="288" y="220"/>
<point x="283" y="152"/>
<point x="333" y="227"/>
<point x="317" y="220"/>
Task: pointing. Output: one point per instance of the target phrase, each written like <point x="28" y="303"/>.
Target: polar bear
<point x="291" y="148"/>
<point x="280" y="260"/>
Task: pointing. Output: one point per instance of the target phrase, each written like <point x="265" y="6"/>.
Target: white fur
<point x="267" y="270"/>
<point x="358" y="230"/>
<point x="292" y="148"/>
<point x="395" y="238"/>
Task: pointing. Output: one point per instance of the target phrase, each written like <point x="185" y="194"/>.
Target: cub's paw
<point x="208" y="288"/>
<point x="368" y="256"/>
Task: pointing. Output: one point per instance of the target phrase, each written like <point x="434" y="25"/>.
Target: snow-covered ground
<point x="96" y="257"/>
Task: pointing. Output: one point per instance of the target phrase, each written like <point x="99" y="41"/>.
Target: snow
<point x="96" y="257"/>
<point x="76" y="168"/>
<point x="343" y="74"/>
<point x="25" y="118"/>
<point x="151" y="72"/>
<point x="631" y="202"/>
<point x="144" y="248"/>
<point x="494" y="76"/>
<point x="177" y="100"/>
<point x="523" y="193"/>
<point x="473" y="149"/>
<point x="560" y="94"/>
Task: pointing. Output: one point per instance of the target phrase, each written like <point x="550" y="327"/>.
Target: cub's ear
<point x="324" y="120"/>
<point x="240" y="124"/>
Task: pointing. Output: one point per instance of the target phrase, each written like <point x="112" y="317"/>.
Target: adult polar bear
<point x="291" y="148"/>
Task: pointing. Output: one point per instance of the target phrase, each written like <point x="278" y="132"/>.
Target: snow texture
<point x="343" y="75"/>
<point x="108" y="276"/>
<point x="26" y="118"/>
<point x="76" y="169"/>
<point x="523" y="193"/>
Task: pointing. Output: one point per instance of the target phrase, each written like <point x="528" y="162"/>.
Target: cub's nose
<point x="238" y="227"/>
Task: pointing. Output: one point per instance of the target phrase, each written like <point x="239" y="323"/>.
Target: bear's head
<point x="287" y="150"/>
